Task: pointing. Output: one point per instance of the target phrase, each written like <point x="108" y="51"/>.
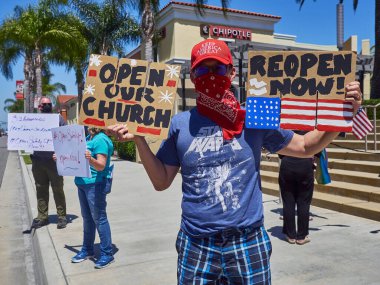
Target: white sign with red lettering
<point x="70" y="148"/>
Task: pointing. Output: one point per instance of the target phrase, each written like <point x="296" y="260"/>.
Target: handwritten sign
<point x="310" y="86"/>
<point x="31" y="131"/>
<point x="70" y="147"/>
<point x="135" y="92"/>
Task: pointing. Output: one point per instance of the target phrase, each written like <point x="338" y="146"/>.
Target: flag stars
<point x="262" y="113"/>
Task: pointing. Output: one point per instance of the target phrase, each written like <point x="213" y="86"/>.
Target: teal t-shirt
<point x="99" y="144"/>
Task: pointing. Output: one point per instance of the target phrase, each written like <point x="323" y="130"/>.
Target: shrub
<point x="126" y="150"/>
<point x="372" y="102"/>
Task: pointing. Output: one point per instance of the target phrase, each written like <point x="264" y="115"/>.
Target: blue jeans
<point x="92" y="199"/>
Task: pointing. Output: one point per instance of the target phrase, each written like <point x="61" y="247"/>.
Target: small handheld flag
<point x="361" y="124"/>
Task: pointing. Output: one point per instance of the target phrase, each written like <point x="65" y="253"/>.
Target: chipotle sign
<point x="226" y="32"/>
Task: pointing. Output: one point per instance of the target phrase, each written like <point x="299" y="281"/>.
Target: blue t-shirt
<point x="221" y="179"/>
<point x="99" y="144"/>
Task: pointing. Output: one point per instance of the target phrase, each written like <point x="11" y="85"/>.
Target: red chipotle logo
<point x="226" y="32"/>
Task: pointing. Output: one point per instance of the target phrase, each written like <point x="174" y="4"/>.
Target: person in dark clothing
<point x="45" y="173"/>
<point x="296" y="180"/>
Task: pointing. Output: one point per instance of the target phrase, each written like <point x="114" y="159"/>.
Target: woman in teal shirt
<point x="92" y="194"/>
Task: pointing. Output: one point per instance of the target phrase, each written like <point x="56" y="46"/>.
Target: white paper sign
<point x="28" y="131"/>
<point x="70" y="147"/>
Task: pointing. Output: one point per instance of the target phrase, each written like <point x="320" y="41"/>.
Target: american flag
<point x="298" y="114"/>
<point x="262" y="113"/>
<point x="361" y="124"/>
<point x="334" y="115"/>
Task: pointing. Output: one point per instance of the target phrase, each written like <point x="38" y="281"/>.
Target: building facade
<point x="180" y="27"/>
<point x="67" y="106"/>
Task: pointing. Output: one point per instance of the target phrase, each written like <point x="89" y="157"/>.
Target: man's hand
<point x="54" y="157"/>
<point x="354" y="95"/>
<point x="121" y="133"/>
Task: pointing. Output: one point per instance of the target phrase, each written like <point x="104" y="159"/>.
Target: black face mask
<point x="46" y="108"/>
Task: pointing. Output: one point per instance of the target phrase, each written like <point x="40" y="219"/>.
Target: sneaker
<point x="62" y="223"/>
<point x="104" y="261"/>
<point x="38" y="223"/>
<point x="82" y="256"/>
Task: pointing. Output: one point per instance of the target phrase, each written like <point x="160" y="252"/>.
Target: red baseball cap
<point x="213" y="49"/>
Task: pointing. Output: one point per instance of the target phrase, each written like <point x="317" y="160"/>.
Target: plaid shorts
<point x="233" y="256"/>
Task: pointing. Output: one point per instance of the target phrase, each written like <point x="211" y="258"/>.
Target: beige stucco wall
<point x="166" y="49"/>
<point x="366" y="47"/>
<point x="351" y="44"/>
<point x="262" y="36"/>
<point x="187" y="34"/>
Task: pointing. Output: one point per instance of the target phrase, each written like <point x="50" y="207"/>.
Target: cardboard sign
<point x="310" y="85"/>
<point x="31" y="131"/>
<point x="130" y="91"/>
<point x="70" y="148"/>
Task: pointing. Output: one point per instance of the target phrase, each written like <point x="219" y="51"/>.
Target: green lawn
<point x="27" y="159"/>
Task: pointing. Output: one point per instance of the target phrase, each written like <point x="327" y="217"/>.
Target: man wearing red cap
<point x="222" y="239"/>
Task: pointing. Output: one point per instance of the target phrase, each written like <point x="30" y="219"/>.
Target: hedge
<point x="125" y="150"/>
<point x="372" y="102"/>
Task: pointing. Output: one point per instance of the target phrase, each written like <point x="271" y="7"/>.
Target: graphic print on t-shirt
<point x="216" y="177"/>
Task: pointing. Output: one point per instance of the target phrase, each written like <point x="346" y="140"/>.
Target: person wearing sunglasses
<point x="222" y="239"/>
<point x="45" y="173"/>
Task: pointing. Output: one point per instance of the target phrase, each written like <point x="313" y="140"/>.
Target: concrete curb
<point x="48" y="267"/>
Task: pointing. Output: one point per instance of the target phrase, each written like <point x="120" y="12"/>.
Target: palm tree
<point x="148" y="9"/>
<point x="49" y="89"/>
<point x="30" y="33"/>
<point x="11" y="51"/>
<point x="13" y="106"/>
<point x="107" y="28"/>
<point x="375" y="80"/>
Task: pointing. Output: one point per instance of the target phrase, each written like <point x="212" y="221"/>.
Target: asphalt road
<point x="3" y="156"/>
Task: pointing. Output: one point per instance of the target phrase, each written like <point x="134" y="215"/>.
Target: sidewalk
<point x="144" y="224"/>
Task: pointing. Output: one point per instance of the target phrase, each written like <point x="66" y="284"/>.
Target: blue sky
<point x="315" y="23"/>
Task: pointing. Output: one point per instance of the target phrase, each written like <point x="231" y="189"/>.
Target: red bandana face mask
<point x="219" y="104"/>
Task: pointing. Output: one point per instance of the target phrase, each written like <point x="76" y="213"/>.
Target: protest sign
<point x="31" y="131"/>
<point x="135" y="92"/>
<point x="70" y="148"/>
<point x="310" y="86"/>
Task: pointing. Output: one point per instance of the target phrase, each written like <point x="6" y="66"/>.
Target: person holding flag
<point x="222" y="236"/>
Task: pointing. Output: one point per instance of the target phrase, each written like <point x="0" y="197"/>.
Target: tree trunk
<point x="147" y="24"/>
<point x="28" y="94"/>
<point x="80" y="85"/>
<point x="26" y="86"/>
<point x="38" y="68"/>
<point x="148" y="49"/>
<point x="375" y="82"/>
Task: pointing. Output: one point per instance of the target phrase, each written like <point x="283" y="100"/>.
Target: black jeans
<point x="296" y="180"/>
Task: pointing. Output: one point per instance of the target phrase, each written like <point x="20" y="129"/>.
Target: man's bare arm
<point x="161" y="175"/>
<point x="309" y="144"/>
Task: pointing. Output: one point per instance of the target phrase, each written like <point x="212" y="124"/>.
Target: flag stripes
<point x="298" y="114"/>
<point x="361" y="124"/>
<point x="334" y="115"/>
